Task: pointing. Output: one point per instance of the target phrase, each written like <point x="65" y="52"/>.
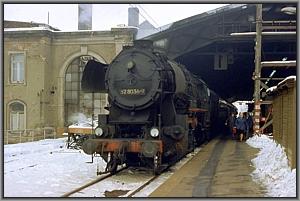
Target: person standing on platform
<point x="245" y="116"/>
<point x="241" y="126"/>
<point x="249" y="122"/>
<point x="230" y="122"/>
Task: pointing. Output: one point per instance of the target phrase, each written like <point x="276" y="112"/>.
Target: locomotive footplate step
<point x="221" y="168"/>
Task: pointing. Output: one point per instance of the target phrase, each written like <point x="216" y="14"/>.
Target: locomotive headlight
<point x="130" y="64"/>
<point x="99" y="131"/>
<point x="154" y="132"/>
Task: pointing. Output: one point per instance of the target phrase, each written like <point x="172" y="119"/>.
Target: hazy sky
<point x="105" y="16"/>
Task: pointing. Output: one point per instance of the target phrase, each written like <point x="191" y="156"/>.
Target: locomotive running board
<point x="101" y="146"/>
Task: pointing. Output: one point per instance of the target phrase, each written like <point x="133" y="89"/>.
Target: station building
<point x="42" y="73"/>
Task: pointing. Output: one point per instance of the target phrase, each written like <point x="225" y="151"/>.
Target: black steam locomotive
<point x="158" y="110"/>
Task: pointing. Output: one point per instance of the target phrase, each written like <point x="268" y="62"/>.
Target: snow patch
<point x="45" y="168"/>
<point x="79" y="120"/>
<point x="272" y="168"/>
<point x="271" y="89"/>
<point x="293" y="77"/>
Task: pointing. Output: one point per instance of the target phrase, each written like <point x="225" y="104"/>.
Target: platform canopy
<point x="214" y="45"/>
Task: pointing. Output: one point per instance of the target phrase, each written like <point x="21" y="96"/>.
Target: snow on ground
<point x="47" y="168"/>
<point x="44" y="169"/>
<point x="272" y="169"/>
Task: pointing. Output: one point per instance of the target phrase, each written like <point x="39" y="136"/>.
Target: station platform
<point x="221" y="168"/>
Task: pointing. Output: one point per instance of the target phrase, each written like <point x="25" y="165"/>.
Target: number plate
<point x="137" y="92"/>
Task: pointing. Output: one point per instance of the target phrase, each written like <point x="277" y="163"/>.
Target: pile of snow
<point x="79" y="120"/>
<point x="272" y="169"/>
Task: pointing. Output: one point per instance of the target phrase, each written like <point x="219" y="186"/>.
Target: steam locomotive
<point x="158" y="110"/>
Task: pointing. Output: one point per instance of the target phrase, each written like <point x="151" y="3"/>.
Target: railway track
<point x="143" y="186"/>
<point x="87" y="189"/>
<point x="101" y="178"/>
<point x="104" y="177"/>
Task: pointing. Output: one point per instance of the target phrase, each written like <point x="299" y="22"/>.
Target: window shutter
<point x="21" y="121"/>
<point x="14" y="121"/>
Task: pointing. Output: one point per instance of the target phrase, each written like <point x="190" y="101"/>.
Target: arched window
<point x="76" y="101"/>
<point x="16" y="116"/>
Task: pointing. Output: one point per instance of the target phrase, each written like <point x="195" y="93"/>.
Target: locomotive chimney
<point x="85" y="16"/>
<point x="133" y="17"/>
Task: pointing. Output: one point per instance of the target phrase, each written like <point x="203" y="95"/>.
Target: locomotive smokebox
<point x="134" y="78"/>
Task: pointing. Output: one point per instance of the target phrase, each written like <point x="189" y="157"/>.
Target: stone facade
<point x="48" y="54"/>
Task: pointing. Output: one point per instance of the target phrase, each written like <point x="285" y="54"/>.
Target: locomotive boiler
<point x="158" y="110"/>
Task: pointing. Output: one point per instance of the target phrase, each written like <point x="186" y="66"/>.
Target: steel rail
<point x="143" y="186"/>
<point x="92" y="182"/>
